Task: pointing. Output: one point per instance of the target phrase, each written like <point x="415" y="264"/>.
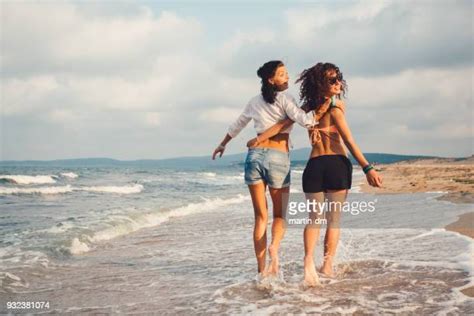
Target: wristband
<point x="368" y="168"/>
<point x="221" y="146"/>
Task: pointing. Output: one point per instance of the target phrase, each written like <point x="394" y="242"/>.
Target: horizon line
<point x="202" y="156"/>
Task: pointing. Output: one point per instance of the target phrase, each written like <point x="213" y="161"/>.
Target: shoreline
<point x="454" y="178"/>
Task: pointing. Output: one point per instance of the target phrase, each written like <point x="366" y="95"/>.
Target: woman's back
<point x="326" y="139"/>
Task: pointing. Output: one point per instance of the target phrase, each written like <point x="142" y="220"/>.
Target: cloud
<point x="304" y="24"/>
<point x="19" y="95"/>
<point x="224" y="115"/>
<point x="131" y="82"/>
<point x="152" y="119"/>
<point x="426" y="89"/>
<point x="367" y="38"/>
<point x="241" y="40"/>
<point x="59" y="37"/>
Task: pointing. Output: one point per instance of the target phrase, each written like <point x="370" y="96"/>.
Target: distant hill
<point x="438" y="160"/>
<point x="298" y="156"/>
<point x="301" y="155"/>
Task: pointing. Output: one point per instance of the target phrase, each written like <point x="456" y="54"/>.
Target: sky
<point x="160" y="79"/>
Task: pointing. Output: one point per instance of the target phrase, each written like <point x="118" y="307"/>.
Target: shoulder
<point x="285" y="97"/>
<point x="258" y="99"/>
<point x="340" y="104"/>
<point x="339" y="108"/>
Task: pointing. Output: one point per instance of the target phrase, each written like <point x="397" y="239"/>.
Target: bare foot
<point x="262" y="275"/>
<point x="311" y="277"/>
<point x="273" y="267"/>
<point x="327" y="269"/>
<point x="327" y="272"/>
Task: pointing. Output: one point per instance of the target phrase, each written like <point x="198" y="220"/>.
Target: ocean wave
<point x="58" y="228"/>
<point x="71" y="175"/>
<point x="15" y="256"/>
<point x="77" y="247"/>
<point x="120" y="225"/>
<point x="128" y="189"/>
<point x="210" y="178"/>
<point x="10" y="280"/>
<point x="38" y="179"/>
<point x="205" y="178"/>
<point x="38" y="190"/>
<point x="24" y="179"/>
<point x="208" y="174"/>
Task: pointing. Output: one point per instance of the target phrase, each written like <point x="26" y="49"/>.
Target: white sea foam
<point x="207" y="174"/>
<point x="127" y="189"/>
<point x="212" y="178"/>
<point x="125" y="224"/>
<point x="38" y="190"/>
<point x="9" y="280"/>
<point x="355" y="189"/>
<point x="13" y="255"/>
<point x="24" y="179"/>
<point x="71" y="175"/>
<point x="78" y="247"/>
<point x="59" y="228"/>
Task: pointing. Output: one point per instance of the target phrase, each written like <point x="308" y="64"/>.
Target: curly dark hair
<point x="266" y="72"/>
<point x="314" y="84"/>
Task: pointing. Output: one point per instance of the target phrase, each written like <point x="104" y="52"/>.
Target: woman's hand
<point x="252" y="143"/>
<point x="220" y="149"/>
<point x="374" y="179"/>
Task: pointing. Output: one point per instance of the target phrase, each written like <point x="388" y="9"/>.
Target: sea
<point x="144" y="239"/>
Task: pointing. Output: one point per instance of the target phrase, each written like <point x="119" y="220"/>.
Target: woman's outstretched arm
<point x="337" y="113"/>
<point x="234" y="130"/>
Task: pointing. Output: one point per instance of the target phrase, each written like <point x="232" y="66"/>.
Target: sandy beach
<point x="453" y="176"/>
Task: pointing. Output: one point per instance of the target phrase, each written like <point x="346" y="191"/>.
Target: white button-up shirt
<point x="266" y="115"/>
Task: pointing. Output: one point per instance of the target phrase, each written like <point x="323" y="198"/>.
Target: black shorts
<point x="327" y="172"/>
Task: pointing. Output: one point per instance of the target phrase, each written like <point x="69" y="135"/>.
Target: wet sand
<point x="453" y="176"/>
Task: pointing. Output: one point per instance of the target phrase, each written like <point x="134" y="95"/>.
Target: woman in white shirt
<point x="327" y="177"/>
<point x="269" y="163"/>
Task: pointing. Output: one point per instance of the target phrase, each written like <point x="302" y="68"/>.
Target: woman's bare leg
<point x="259" y="201"/>
<point x="311" y="236"/>
<point x="331" y="239"/>
<point x="280" y="202"/>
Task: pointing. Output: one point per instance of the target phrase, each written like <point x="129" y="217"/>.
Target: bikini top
<point x="316" y="132"/>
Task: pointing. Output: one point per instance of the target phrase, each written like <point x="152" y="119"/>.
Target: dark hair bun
<point x="268" y="69"/>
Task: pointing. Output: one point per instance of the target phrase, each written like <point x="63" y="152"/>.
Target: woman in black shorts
<point x="328" y="173"/>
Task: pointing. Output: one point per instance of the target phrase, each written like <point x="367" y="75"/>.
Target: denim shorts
<point x="268" y="165"/>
